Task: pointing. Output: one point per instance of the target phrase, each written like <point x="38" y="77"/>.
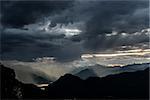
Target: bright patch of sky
<point x="67" y="30"/>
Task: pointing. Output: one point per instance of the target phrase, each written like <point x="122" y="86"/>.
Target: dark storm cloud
<point x="105" y="16"/>
<point x="103" y="42"/>
<point x="25" y="45"/>
<point x="96" y="19"/>
<point x="129" y="16"/>
<point x="120" y="16"/>
<point x="101" y="17"/>
<point x="19" y="13"/>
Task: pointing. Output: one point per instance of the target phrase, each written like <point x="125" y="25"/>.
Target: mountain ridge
<point x="128" y="85"/>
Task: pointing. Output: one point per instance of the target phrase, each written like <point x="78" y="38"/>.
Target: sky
<point x="84" y="32"/>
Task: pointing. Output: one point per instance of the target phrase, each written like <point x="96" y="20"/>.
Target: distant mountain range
<point x="85" y="73"/>
<point x="40" y="80"/>
<point x="127" y="85"/>
<point x="102" y="71"/>
<point x="41" y="73"/>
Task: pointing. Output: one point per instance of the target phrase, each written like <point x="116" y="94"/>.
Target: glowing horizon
<point x="137" y="52"/>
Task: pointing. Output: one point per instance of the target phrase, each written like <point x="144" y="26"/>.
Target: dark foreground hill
<point x="125" y="85"/>
<point x="11" y="88"/>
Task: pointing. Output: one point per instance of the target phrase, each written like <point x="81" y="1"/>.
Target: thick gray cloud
<point x="113" y="40"/>
<point x="24" y="35"/>
<point x="120" y="16"/>
<point x="106" y="16"/>
<point x="24" y="45"/>
<point x="129" y="16"/>
<point x="19" y="12"/>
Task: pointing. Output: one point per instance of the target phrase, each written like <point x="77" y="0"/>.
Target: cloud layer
<point x="103" y="64"/>
<point x="68" y="29"/>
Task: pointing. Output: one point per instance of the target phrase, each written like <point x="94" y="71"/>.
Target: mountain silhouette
<point x="13" y="89"/>
<point x="127" y="85"/>
<point x="132" y="85"/>
<point x="103" y="71"/>
<point x="40" y="79"/>
<point x="84" y="74"/>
